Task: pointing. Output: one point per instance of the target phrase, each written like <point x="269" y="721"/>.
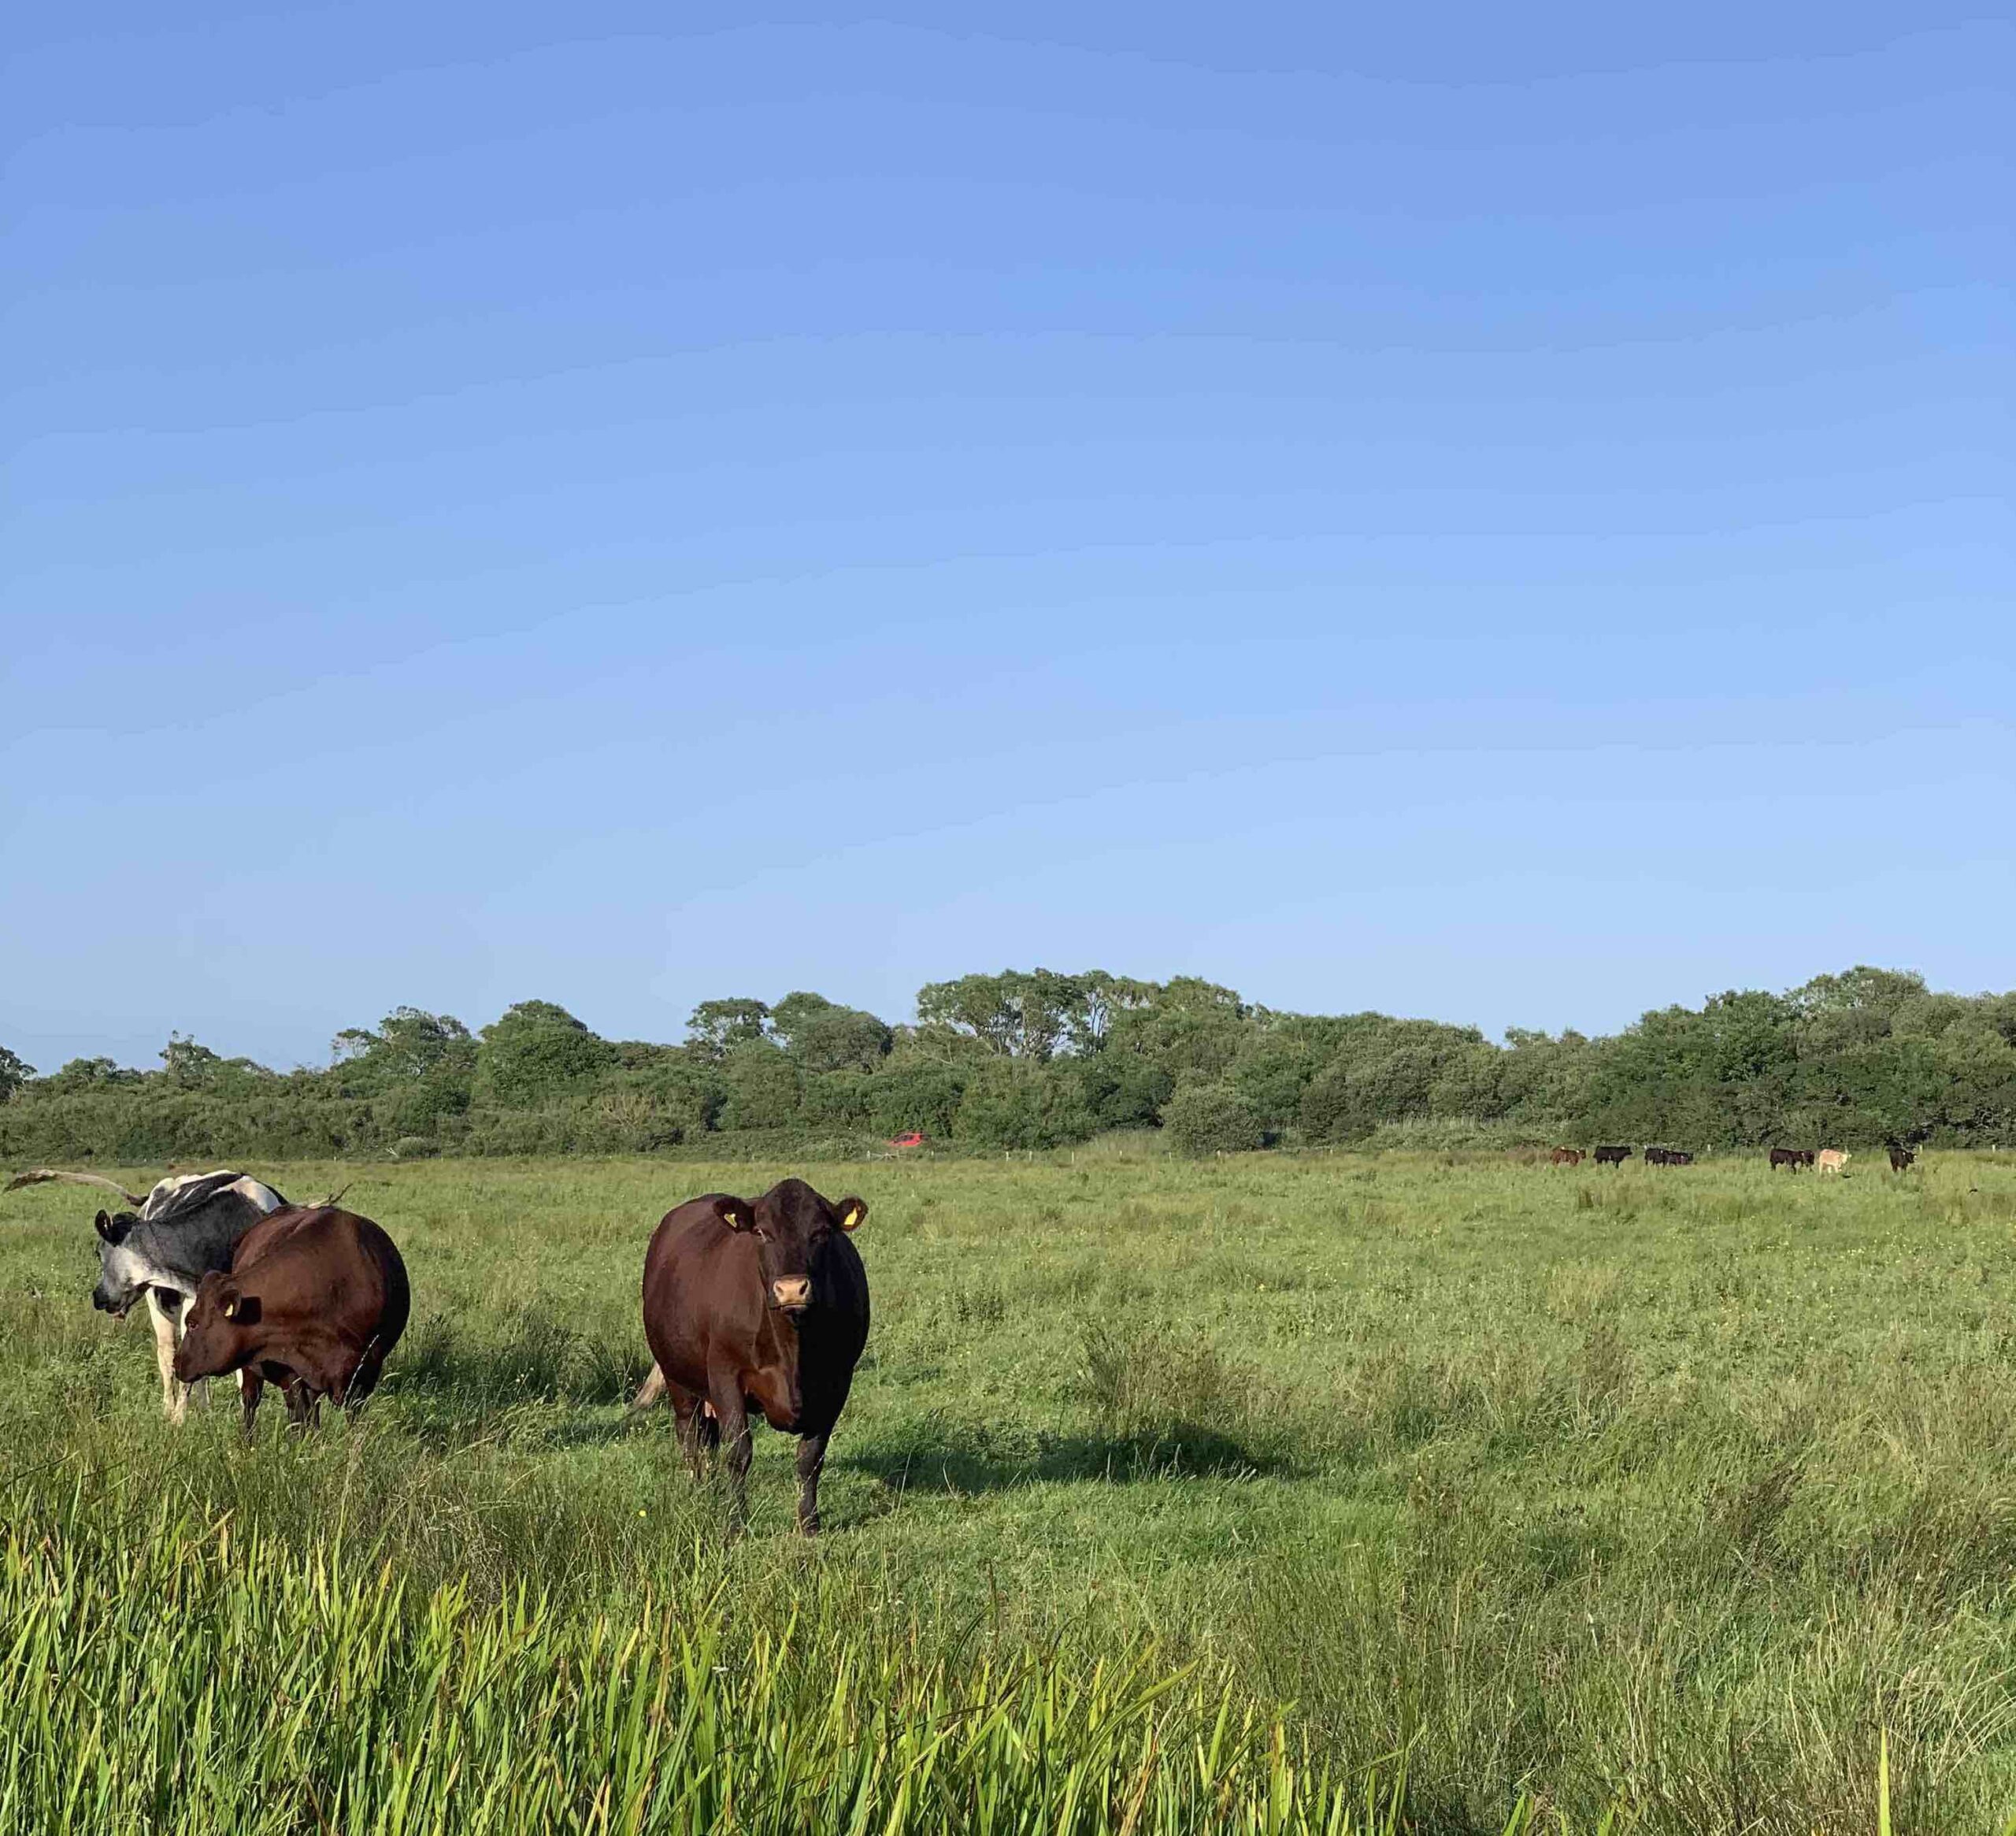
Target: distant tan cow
<point x="1831" y="1160"/>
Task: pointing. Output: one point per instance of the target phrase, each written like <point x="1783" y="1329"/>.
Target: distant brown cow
<point x="1565" y="1157"/>
<point x="1612" y="1156"/>
<point x="760" y="1305"/>
<point x="1795" y="1158"/>
<point x="315" y="1300"/>
<point x="1901" y="1158"/>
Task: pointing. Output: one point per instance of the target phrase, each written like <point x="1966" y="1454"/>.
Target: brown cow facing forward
<point x="1565" y="1157"/>
<point x="315" y="1300"/>
<point x="758" y="1305"/>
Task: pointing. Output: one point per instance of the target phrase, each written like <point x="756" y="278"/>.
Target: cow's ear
<point x="241" y="1309"/>
<point x="733" y="1213"/>
<point x="112" y="1230"/>
<point x="854" y="1213"/>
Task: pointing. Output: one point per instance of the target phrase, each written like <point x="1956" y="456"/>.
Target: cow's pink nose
<point x="793" y="1292"/>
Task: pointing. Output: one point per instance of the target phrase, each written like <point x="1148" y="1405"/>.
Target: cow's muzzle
<point x="792" y="1295"/>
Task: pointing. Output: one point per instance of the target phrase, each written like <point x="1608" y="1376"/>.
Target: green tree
<point x="824" y="1037"/>
<point x="1102" y="998"/>
<point x="920" y="1095"/>
<point x="716" y="1028"/>
<point x="187" y="1065"/>
<point x="764" y="1088"/>
<point x="1025" y="1013"/>
<point x="408" y="1044"/>
<point x="1186" y="1025"/>
<point x="536" y="1051"/>
<point x="1337" y="1105"/>
<point x="1210" y="1118"/>
<point x="1022" y="1105"/>
<point x="14" y="1072"/>
<point x="1121" y="1089"/>
<point x="81" y="1074"/>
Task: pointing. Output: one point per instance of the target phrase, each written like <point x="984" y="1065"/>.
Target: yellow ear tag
<point x="731" y="1220"/>
<point x="852" y="1220"/>
<point x="231" y="1309"/>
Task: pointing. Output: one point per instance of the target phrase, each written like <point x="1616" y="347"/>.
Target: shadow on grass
<point x="962" y="1463"/>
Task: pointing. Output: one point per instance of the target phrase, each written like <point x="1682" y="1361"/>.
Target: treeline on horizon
<point x="1037" y="1060"/>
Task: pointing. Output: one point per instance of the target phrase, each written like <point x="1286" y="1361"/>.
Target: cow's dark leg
<point x="811" y="1461"/>
<point x="694" y="1440"/>
<point x="725" y="1394"/>
<point x="251" y="1386"/>
<point x="302" y="1407"/>
<point x="363" y="1380"/>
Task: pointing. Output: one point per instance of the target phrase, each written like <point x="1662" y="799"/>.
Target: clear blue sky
<point x="1495" y="513"/>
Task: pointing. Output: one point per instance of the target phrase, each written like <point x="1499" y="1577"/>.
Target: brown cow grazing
<point x="1612" y="1156"/>
<point x="759" y="1305"/>
<point x="315" y="1300"/>
<point x="1565" y="1157"/>
<point x="1832" y="1160"/>
<point x="1900" y="1158"/>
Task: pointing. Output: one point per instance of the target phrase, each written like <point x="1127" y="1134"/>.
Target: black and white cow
<point x="160" y="1250"/>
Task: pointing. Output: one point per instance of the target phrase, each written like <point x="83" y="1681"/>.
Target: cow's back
<point x="333" y="1266"/>
<point x="703" y="1286"/>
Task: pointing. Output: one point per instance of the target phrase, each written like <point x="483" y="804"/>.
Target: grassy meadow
<point x="1434" y="1492"/>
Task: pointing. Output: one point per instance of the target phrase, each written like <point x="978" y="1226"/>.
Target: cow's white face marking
<point x="125" y="1274"/>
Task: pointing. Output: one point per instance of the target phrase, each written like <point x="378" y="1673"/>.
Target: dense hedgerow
<point x="1028" y="1061"/>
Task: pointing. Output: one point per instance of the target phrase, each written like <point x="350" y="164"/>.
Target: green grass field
<point x="1267" y="1493"/>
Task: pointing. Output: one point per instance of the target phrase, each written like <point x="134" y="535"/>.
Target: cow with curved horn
<point x="160" y="1250"/>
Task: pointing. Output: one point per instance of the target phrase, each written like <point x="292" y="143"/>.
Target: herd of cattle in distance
<point x="751" y="1307"/>
<point x="1827" y="1159"/>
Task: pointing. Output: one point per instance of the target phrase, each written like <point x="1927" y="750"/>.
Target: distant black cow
<point x="1795" y="1158"/>
<point x="762" y="1304"/>
<point x="1612" y="1156"/>
<point x="1668" y="1157"/>
<point x="1900" y="1158"/>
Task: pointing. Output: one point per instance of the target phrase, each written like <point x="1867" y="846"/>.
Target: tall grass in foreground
<point x="1687" y="1494"/>
<point x="190" y="1683"/>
